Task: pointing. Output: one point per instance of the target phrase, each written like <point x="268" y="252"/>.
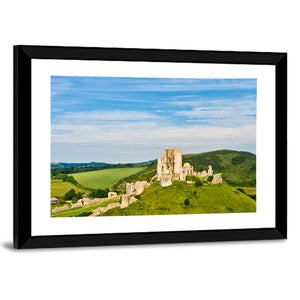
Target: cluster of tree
<point x="239" y="159"/>
<point x="65" y="178"/>
<point x="73" y="169"/>
<point x="72" y="195"/>
<point x="66" y="165"/>
<point x="99" y="193"/>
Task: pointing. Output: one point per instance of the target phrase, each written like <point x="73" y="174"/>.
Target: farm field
<point x="102" y="178"/>
<point x="59" y="188"/>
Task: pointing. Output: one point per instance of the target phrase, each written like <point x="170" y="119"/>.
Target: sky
<point x="122" y="119"/>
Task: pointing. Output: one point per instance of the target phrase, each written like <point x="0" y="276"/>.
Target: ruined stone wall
<point x="165" y="180"/>
<point x="217" y="179"/>
<point x="159" y="166"/>
<point x="112" y="195"/>
<point x="136" y="188"/>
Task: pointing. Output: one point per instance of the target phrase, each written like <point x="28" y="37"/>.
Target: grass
<point x="59" y="188"/>
<point x="248" y="189"/>
<point x="82" y="211"/>
<point x="105" y="203"/>
<point x="206" y="199"/>
<point x="102" y="178"/>
<point x="73" y="212"/>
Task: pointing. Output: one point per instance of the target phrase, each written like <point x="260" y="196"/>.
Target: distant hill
<point x="238" y="168"/>
<point x="93" y="163"/>
<point x="66" y="165"/>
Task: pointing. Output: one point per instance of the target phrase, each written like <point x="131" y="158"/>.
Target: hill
<point x="158" y="200"/>
<point x="66" y="165"/>
<point x="238" y="168"/>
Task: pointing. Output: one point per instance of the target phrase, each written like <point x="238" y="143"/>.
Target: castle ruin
<point x="169" y="168"/>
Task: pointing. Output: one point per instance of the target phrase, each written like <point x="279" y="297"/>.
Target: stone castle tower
<point x="170" y="163"/>
<point x="168" y="166"/>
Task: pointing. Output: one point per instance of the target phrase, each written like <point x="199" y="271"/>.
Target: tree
<point x="99" y="193"/>
<point x="71" y="179"/>
<point x="187" y="202"/>
<point x="241" y="190"/>
<point x="70" y="194"/>
<point x="210" y="178"/>
<point x="74" y="199"/>
<point x="61" y="176"/>
<point x="198" y="183"/>
<point x="60" y="202"/>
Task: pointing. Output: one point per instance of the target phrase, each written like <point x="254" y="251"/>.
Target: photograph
<point x="129" y="146"/>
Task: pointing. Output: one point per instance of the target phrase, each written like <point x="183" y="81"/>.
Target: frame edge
<point x="22" y="146"/>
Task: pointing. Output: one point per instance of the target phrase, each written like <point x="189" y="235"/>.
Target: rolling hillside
<point x="158" y="200"/>
<point x="238" y="168"/>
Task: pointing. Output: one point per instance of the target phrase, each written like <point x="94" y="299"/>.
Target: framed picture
<point x="142" y="146"/>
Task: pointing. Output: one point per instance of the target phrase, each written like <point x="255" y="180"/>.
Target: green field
<point x="102" y="178"/>
<point x="158" y="200"/>
<point x="59" y="188"/>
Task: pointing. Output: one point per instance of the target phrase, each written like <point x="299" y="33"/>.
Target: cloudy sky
<point x="121" y="119"/>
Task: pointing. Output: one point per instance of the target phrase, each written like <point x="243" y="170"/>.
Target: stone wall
<point x="136" y="188"/>
<point x="165" y="180"/>
<point x="217" y="179"/>
<point x="177" y="160"/>
<point x="112" y="195"/>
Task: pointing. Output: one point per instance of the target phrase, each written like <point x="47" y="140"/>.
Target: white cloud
<point x="143" y="133"/>
<point x="114" y="115"/>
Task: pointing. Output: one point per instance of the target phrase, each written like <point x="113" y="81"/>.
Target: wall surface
<point x="248" y="270"/>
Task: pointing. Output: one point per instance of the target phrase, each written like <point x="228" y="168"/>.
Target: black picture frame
<point x="23" y="56"/>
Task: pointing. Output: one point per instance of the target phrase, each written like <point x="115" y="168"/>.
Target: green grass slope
<point x="238" y="167"/>
<point x="102" y="178"/>
<point x="206" y="199"/>
<point x="59" y="188"/>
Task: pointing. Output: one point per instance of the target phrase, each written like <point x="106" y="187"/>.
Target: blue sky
<point x="122" y="119"/>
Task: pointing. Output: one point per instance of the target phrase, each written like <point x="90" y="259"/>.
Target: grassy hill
<point x="101" y="178"/>
<point x="158" y="200"/>
<point x="59" y="188"/>
<point x="238" y="168"/>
